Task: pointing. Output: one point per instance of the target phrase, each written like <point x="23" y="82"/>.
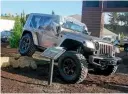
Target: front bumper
<point x="104" y="60"/>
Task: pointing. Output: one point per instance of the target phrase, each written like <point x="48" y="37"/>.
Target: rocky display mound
<point x="19" y="77"/>
<point x="17" y="61"/>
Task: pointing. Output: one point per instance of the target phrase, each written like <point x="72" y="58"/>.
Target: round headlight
<point x="97" y="46"/>
<point x="89" y="44"/>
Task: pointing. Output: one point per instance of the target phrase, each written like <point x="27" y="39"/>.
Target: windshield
<point x="107" y="39"/>
<point x="73" y="26"/>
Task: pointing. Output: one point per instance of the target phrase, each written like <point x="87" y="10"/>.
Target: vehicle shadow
<point x="41" y="73"/>
<point x="123" y="67"/>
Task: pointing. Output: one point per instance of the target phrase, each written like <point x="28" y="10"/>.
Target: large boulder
<point x="25" y="61"/>
<point x="4" y="61"/>
<point x="14" y="63"/>
<point x="18" y="61"/>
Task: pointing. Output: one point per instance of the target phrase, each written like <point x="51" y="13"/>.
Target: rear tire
<point x="26" y="45"/>
<point x="106" y="72"/>
<point x="72" y="67"/>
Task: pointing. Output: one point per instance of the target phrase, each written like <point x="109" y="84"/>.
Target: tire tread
<point x="83" y="65"/>
<point x="32" y="48"/>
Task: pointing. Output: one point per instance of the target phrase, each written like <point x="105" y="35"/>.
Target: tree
<point x="17" y="30"/>
<point x="114" y="20"/>
<point x="121" y="18"/>
<point x="53" y="13"/>
<point x="118" y="21"/>
<point x="2" y="15"/>
<point x="5" y="14"/>
<point x="9" y="14"/>
<point x="126" y="18"/>
<point x="23" y="18"/>
<point x="16" y="34"/>
<point x="12" y="15"/>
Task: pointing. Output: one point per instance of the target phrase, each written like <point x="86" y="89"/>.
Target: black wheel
<point x="107" y="71"/>
<point x="72" y="67"/>
<point x="126" y="47"/>
<point x="26" y="46"/>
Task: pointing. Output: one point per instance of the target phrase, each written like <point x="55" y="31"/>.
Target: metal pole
<point x="51" y="71"/>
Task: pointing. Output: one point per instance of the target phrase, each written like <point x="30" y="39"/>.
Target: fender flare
<point x="34" y="36"/>
<point x="65" y="42"/>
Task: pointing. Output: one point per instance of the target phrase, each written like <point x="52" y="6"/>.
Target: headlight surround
<point x="97" y="45"/>
<point x="90" y="44"/>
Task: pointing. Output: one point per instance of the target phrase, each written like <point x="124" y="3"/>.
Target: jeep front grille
<point x="105" y="49"/>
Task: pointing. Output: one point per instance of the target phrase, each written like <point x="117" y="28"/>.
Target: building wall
<point x="6" y="25"/>
<point x="93" y="17"/>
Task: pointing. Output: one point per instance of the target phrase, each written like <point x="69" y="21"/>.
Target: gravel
<point x="26" y="80"/>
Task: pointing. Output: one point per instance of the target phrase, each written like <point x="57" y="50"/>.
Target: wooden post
<point x="51" y="66"/>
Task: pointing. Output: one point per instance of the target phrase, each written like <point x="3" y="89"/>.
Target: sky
<point x="59" y="7"/>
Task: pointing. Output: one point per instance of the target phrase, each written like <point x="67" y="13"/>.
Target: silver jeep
<point x="82" y="50"/>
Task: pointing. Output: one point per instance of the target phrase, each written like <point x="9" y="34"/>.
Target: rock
<point x="14" y="63"/>
<point x="94" y="85"/>
<point x="33" y="65"/>
<point x="8" y="46"/>
<point x="16" y="56"/>
<point x="18" y="61"/>
<point x="5" y="61"/>
<point x="25" y="61"/>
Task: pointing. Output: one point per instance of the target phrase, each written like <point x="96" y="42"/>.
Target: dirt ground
<point x="27" y="80"/>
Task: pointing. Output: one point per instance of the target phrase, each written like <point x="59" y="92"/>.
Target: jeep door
<point x="47" y="35"/>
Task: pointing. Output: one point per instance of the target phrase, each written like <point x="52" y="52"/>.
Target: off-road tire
<point x="110" y="70"/>
<point x="81" y="68"/>
<point x="31" y="48"/>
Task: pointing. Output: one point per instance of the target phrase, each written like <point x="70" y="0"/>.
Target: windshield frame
<point x="71" y="25"/>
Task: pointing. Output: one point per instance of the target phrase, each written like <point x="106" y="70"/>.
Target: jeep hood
<point x="83" y="36"/>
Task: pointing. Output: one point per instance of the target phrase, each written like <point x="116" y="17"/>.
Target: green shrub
<point x="16" y="34"/>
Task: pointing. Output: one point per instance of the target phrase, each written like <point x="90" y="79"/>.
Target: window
<point x="47" y="21"/>
<point x="44" y="21"/>
<point x="73" y="26"/>
<point x="91" y="3"/>
<point x="35" y="21"/>
<point x="107" y="39"/>
<point x="117" y="4"/>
